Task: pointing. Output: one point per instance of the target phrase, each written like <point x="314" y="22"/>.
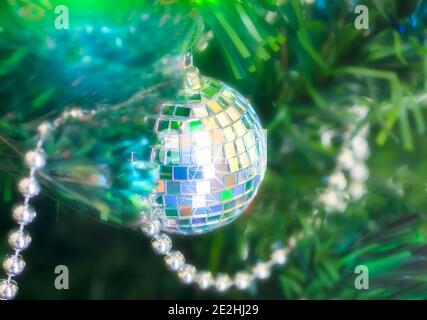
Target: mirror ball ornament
<point x="211" y="156"/>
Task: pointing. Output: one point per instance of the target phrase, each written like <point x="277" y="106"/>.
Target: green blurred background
<point x="303" y="64"/>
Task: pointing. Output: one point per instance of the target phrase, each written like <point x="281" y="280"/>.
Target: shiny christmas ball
<point x="211" y="157"/>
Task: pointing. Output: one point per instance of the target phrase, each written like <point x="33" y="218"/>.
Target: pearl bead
<point x="279" y="256"/>
<point x="359" y="172"/>
<point x="261" y="270"/>
<point x="14" y="265"/>
<point x="44" y="129"/>
<point x="174" y="260"/>
<point x="204" y="279"/>
<point x="29" y="187"/>
<point x="152" y="228"/>
<point x="360" y="148"/>
<point x="23" y="215"/>
<point x="337" y="180"/>
<point x="346" y="159"/>
<point x="187" y="273"/>
<point x="223" y="282"/>
<point x="8" y="289"/>
<point x="357" y="190"/>
<point x="162" y="243"/>
<point x="332" y="200"/>
<point x="242" y="280"/>
<point x="19" y="240"/>
<point x="35" y="159"/>
<point x="76" y="113"/>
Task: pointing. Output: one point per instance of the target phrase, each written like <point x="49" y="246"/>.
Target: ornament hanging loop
<point x="188" y="59"/>
<point x="192" y="80"/>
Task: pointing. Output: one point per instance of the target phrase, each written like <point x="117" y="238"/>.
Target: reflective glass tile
<point x="249" y="185"/>
<point x="222" y="102"/>
<point x="170" y="201"/>
<point x="171" y="212"/>
<point x="160" y="186"/>
<point x="242" y="176"/>
<point x="218" y="137"/>
<point x="182" y="112"/>
<point x="229" y="150"/>
<point x="246" y="122"/>
<point x="168" y="110"/>
<point x="209" y="123"/>
<point x="195" y="125"/>
<point x="214" y="218"/>
<point x="216" y="208"/>
<point x="176" y="125"/>
<point x="195" y="173"/>
<point x="229" y="134"/>
<point x="185" y="223"/>
<point x="201" y="211"/>
<point x="223" y="119"/>
<point x="200" y="112"/>
<point x="172" y="187"/>
<point x="233" y="113"/>
<point x="238" y="190"/>
<point x="214" y="106"/>
<point x="228" y="94"/>
<point x="240" y="146"/>
<point x="198" y="221"/>
<point x="188" y="187"/>
<point x="249" y="140"/>
<point x="165" y="172"/>
<point x="229" y="205"/>
<point x="179" y="173"/>
<point x="185" y="157"/>
<point x="244" y="161"/>
<point x="185" y="211"/>
<point x="239" y="128"/>
<point x="226" y="194"/>
<point x="230" y="180"/>
<point x="163" y="125"/>
<point x="233" y="164"/>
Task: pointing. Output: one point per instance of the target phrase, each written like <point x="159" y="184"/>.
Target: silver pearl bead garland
<point x="346" y="182"/>
<point x="23" y="214"/>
